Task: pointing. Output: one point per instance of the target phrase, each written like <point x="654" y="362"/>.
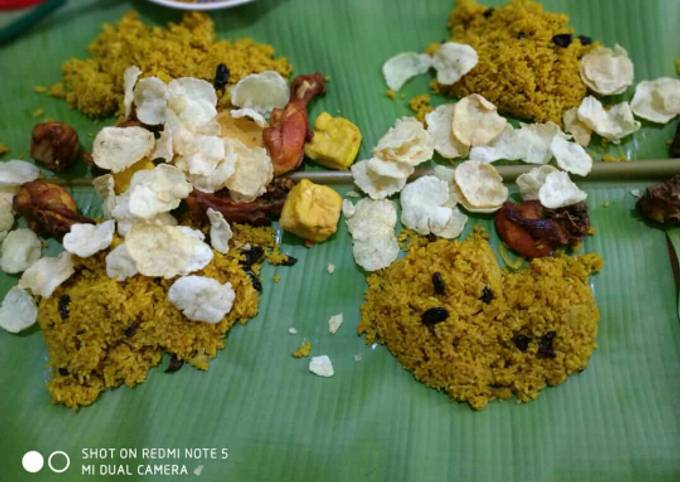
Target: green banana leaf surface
<point x="617" y="421"/>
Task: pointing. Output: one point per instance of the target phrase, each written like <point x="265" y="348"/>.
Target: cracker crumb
<point x="292" y="331"/>
<point x="321" y="366"/>
<point x="330" y="268"/>
<point x="334" y="323"/>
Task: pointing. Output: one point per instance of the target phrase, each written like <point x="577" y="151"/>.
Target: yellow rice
<point x="520" y="69"/>
<point x="116" y="331"/>
<point x="186" y="49"/>
<point x="420" y="105"/>
<point x="471" y="355"/>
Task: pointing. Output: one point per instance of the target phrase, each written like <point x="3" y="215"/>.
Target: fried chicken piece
<point x="259" y="212"/>
<point x="661" y="203"/>
<point x="534" y="231"/>
<point x="289" y="128"/>
<point x="48" y="208"/>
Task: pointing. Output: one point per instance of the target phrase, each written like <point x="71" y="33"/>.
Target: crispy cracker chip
<point x="476" y="121"/>
<point x="452" y="61"/>
<point x="573" y="125"/>
<point x="657" y="100"/>
<point x="371" y="224"/>
<point x="20" y="249"/>
<point x="530" y="182"/>
<point x="201" y="298"/>
<point x="607" y="71"/>
<point x="262" y="92"/>
<point x="117" y="148"/>
<point x="252" y="172"/>
<point x="439" y="126"/>
<point x="570" y="156"/>
<point x="84" y="240"/>
<point x="613" y="124"/>
<point x="251" y="114"/>
<point x="194" y="101"/>
<point x="130" y="77"/>
<point x="480" y="185"/>
<point x="220" y="231"/>
<point x="559" y="191"/>
<point x="404" y="66"/>
<point x="375" y="185"/>
<point x="119" y="264"/>
<point x="18" y="310"/>
<point x="14" y="173"/>
<point x="407" y="142"/>
<point x="45" y="275"/>
<point x="158" y="190"/>
<point x="151" y="100"/>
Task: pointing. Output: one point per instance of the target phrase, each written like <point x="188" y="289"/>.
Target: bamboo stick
<point x="602" y="171"/>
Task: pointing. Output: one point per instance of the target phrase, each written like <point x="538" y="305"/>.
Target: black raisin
<point x="64" y="301"/>
<point x="585" y="40"/>
<point x="252" y="256"/>
<point x="289" y="261"/>
<point x="63" y="371"/>
<point x="520" y="35"/>
<point x="521" y="342"/>
<point x="562" y="39"/>
<point x="488" y="12"/>
<point x="254" y="280"/>
<point x="545" y="345"/>
<point x="434" y="316"/>
<point x="131" y="330"/>
<point x="438" y="283"/>
<point x="174" y="364"/>
<point x="487" y="295"/>
<point x="221" y="76"/>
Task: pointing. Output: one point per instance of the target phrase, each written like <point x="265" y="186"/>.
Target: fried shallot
<point x="661" y="203"/>
<point x="48" y="208"/>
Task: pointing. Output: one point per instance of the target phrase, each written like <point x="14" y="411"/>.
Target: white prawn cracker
<point x="84" y="240"/>
<point x="20" y="249"/>
<point x="119" y="264"/>
<point x="45" y="275"/>
<point x="476" y="121"/>
<point x="574" y="126"/>
<point x="481" y="186"/>
<point x="262" y="92"/>
<point x="220" y="231"/>
<point x="407" y="142"/>
<point x="104" y="186"/>
<point x="130" y="77"/>
<point x="252" y="172"/>
<point x="402" y="67"/>
<point x="117" y="148"/>
<point x="452" y="61"/>
<point x="18" y="310"/>
<point x="201" y="298"/>
<point x="193" y="101"/>
<point x="614" y="124"/>
<point x="571" y="156"/>
<point x="657" y="100"/>
<point x="251" y="114"/>
<point x="151" y="100"/>
<point x="530" y="182"/>
<point x="375" y="185"/>
<point x="439" y="126"/>
<point x="607" y="71"/>
<point x="156" y="191"/>
<point x="166" y="251"/>
<point x="334" y="323"/>
<point x="371" y="224"/>
<point x="428" y="206"/>
<point x="15" y="173"/>
<point x="559" y="191"/>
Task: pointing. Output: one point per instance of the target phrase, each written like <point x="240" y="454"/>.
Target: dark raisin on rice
<point x="63" y="371"/>
<point x="585" y="40"/>
<point x="545" y="345"/>
<point x="487" y="295"/>
<point x="521" y="342"/>
<point x="174" y="364"/>
<point x="221" y="76"/>
<point x="289" y="261"/>
<point x="64" y="301"/>
<point x="434" y="315"/>
<point x="562" y="40"/>
<point x="488" y="12"/>
<point x="438" y="283"/>
<point x="254" y="280"/>
<point x="132" y="329"/>
<point x="252" y="255"/>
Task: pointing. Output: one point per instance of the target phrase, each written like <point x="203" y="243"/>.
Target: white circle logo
<point x="67" y="462"/>
<point x="32" y="461"/>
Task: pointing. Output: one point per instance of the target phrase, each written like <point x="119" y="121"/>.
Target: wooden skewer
<point x="602" y="171"/>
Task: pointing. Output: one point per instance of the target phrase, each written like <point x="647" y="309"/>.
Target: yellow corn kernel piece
<point x="335" y="143"/>
<point x="311" y="211"/>
<point x="122" y="179"/>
